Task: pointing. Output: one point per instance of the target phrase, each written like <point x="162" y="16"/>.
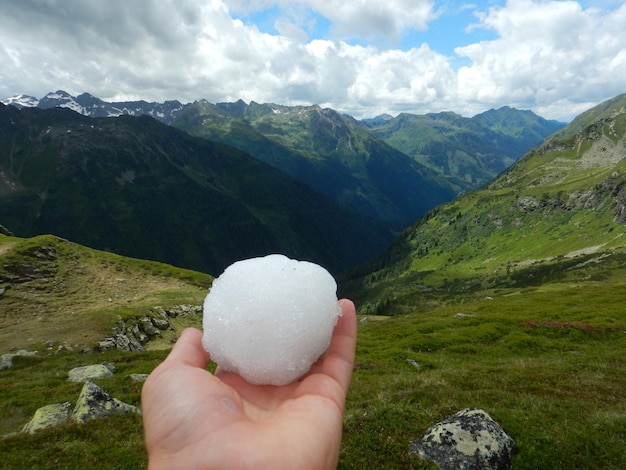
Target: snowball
<point x="269" y="319"/>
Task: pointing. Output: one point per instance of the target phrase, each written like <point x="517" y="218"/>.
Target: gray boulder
<point x="49" y="416"/>
<point x="6" y="360"/>
<point x="92" y="372"/>
<point x="95" y="402"/>
<point x="467" y="440"/>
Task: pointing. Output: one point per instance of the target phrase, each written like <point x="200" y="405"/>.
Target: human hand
<point x="196" y="420"/>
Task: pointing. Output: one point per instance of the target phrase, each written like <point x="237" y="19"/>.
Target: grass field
<point x="547" y="362"/>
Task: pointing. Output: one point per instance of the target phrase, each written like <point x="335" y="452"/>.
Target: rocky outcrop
<point x="36" y="263"/>
<point x="131" y="335"/>
<point x="467" y="440"/>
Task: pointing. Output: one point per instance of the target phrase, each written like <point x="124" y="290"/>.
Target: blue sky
<point x="448" y="30"/>
<point x="361" y="57"/>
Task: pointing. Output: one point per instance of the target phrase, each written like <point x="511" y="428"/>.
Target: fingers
<point x="188" y="350"/>
<point x="338" y="360"/>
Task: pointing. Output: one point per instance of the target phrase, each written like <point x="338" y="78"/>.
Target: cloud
<point x="550" y="56"/>
<point x="367" y="19"/>
<point x="547" y="53"/>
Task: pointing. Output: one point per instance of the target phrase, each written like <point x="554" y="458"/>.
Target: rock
<point x="413" y="362"/>
<point x="6" y="360"/>
<point x="93" y="372"/>
<point x="138" y="377"/>
<point x="160" y="320"/>
<point x="147" y="327"/>
<point x="5" y="231"/>
<point x="467" y="440"/>
<point x="463" y="315"/>
<point x="107" y="344"/>
<point x="49" y="416"/>
<point x="95" y="402"/>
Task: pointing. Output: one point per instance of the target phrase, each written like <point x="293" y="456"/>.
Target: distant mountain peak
<point x="21" y="101"/>
<point x="91" y="106"/>
<point x="380" y="119"/>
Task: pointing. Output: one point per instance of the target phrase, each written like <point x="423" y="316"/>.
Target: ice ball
<point x="269" y="319"/>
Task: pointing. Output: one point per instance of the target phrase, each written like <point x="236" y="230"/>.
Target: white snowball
<point x="269" y="319"/>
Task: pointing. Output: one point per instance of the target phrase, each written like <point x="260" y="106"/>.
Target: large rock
<point x="93" y="372"/>
<point x="467" y="440"/>
<point x="49" y="416"/>
<point x="95" y="402"/>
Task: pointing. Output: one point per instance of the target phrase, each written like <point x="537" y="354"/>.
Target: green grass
<point x="85" y="293"/>
<point x="547" y="362"/>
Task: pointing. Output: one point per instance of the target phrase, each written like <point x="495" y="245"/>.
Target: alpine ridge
<point x="561" y="206"/>
<point x="134" y="186"/>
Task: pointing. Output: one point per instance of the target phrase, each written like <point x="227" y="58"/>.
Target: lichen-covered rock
<point x="467" y="440"/>
<point x="95" y="402"/>
<point x="92" y="372"/>
<point x="49" y="416"/>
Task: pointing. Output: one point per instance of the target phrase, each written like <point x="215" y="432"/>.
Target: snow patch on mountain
<point x="91" y="106"/>
<point x="21" y="101"/>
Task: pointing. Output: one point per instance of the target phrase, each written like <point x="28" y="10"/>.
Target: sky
<point x="361" y="57"/>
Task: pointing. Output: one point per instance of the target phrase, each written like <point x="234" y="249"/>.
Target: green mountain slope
<point x="328" y="151"/>
<point x="137" y="187"/>
<point x="546" y="362"/>
<point x="57" y="290"/>
<point x="561" y="206"/>
<point x="470" y="152"/>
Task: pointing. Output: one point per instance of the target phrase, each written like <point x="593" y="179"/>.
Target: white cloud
<point x="546" y="52"/>
<point x="355" y="18"/>
<point x="550" y="56"/>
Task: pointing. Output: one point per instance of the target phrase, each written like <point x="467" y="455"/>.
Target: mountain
<point x="89" y="105"/>
<point x="140" y="188"/>
<point x="328" y="151"/>
<point x="380" y="119"/>
<point x="360" y="163"/>
<point x="21" y="101"/>
<point x="470" y="152"/>
<point x="559" y="208"/>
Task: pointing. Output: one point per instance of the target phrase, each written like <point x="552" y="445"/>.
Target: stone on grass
<point x="49" y="416"/>
<point x="467" y="440"/>
<point x="138" y="377"/>
<point x="6" y="360"/>
<point x="92" y="372"/>
<point x="95" y="402"/>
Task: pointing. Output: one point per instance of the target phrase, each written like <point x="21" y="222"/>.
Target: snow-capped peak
<point x="89" y="105"/>
<point x="21" y="101"/>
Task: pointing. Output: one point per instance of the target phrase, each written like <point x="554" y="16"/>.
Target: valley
<point x="508" y="297"/>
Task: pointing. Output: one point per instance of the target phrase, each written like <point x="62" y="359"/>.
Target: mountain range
<point x="135" y="186"/>
<point x="511" y="296"/>
<point x="470" y="152"/>
<point x="558" y="209"/>
<point x="371" y="165"/>
<point x="89" y="105"/>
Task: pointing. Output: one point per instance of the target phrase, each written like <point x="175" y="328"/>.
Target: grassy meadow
<point x="545" y="360"/>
